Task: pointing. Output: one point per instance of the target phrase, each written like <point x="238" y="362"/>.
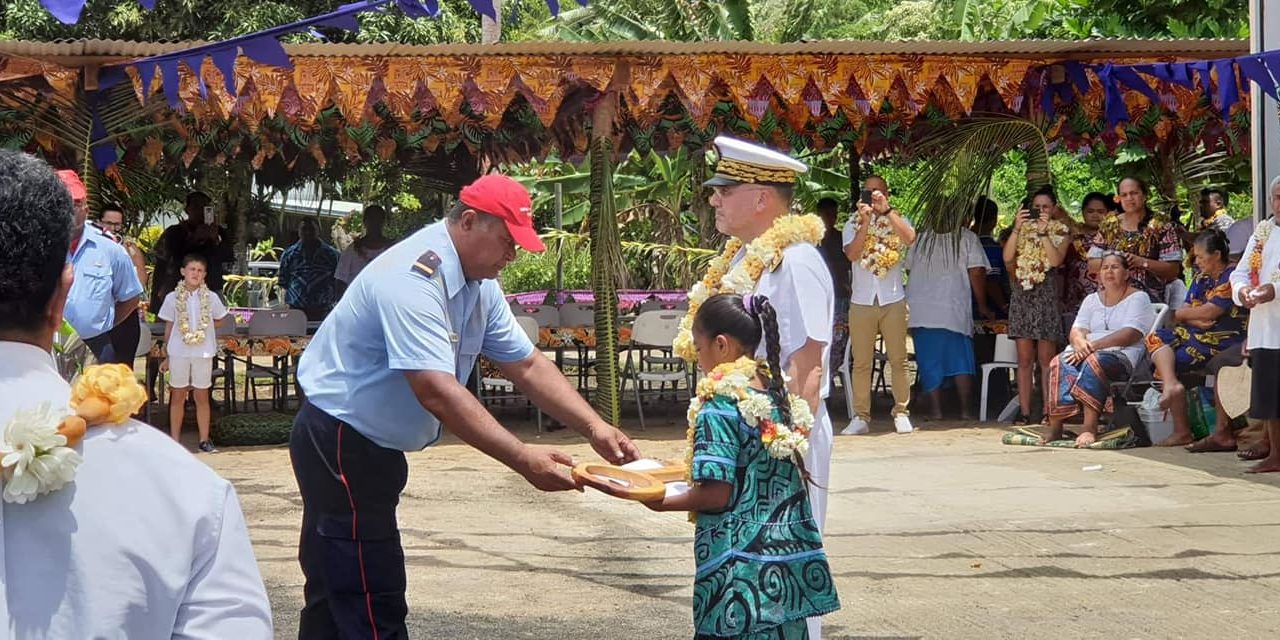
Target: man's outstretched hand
<point x="612" y="444"/>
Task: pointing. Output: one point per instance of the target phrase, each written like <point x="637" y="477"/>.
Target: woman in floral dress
<point x="1036" y="249"/>
<point x="1149" y="241"/>
<point x="1077" y="282"/>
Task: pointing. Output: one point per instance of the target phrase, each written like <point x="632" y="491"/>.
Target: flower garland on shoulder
<point x="1033" y="263"/>
<point x="763" y="254"/>
<point x="1260" y="236"/>
<point x="883" y="248"/>
<point x="180" y="298"/>
<point x="732" y="380"/>
<point x="36" y="446"/>
<point x="1115" y="237"/>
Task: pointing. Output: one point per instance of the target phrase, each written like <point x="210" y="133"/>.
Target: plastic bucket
<point x="1159" y="423"/>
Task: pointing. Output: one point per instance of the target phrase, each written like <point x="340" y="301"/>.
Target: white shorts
<point x="190" y="372"/>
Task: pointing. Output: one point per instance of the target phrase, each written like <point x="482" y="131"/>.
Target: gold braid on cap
<point x="752" y="173"/>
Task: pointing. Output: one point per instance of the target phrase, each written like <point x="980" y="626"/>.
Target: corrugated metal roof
<point x="99" y="51"/>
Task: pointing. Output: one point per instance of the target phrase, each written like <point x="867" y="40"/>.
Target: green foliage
<point x="537" y="271"/>
<point x="265" y="250"/>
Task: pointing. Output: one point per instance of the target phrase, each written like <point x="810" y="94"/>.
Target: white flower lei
<point x="733" y="381"/>
<point x="883" y="248"/>
<point x="184" y="319"/>
<point x="1033" y="263"/>
<point x="763" y="254"/>
<point x="34" y="455"/>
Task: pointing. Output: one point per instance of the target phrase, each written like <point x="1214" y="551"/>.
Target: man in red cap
<point x="385" y="371"/>
<point x="106" y="291"/>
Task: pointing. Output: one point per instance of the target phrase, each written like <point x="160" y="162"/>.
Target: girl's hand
<point x="656" y="505"/>
<point x="164" y="366"/>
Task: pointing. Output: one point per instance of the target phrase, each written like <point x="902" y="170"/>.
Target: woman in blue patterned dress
<point x="1207" y="325"/>
<point x="761" y="568"/>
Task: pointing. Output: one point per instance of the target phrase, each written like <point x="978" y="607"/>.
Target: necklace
<point x="763" y="254"/>
<point x="1108" y="310"/>
<point x="732" y="380"/>
<point x="1260" y="237"/>
<point x="1032" y="266"/>
<point x="180" y="299"/>
<point x="883" y="248"/>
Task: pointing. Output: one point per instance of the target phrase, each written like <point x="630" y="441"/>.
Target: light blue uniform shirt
<point x="394" y="319"/>
<point x="104" y="276"/>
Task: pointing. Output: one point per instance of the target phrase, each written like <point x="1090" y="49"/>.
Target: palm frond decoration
<point x="1189" y="167"/>
<point x="962" y="159"/>
<point x="607" y="269"/>
<point x="675" y="265"/>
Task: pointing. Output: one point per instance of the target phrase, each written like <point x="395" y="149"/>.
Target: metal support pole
<point x="559" y="244"/>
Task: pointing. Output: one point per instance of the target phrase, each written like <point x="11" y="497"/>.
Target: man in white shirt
<point x="878" y="306"/>
<point x="752" y="188"/>
<point x="145" y="541"/>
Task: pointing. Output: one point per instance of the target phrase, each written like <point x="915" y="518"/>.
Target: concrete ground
<point x="944" y="533"/>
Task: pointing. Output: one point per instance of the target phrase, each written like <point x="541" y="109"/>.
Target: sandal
<point x="1207" y="445"/>
<point x="1254" y="452"/>
<point x="1021" y="420"/>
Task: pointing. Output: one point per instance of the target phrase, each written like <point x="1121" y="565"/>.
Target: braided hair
<point x="747" y="320"/>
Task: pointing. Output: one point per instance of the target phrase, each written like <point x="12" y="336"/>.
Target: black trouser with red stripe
<point x="350" y="548"/>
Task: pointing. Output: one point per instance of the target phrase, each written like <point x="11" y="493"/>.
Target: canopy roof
<point x="523" y="100"/>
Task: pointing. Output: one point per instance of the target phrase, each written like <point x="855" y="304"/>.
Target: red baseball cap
<point x="500" y="196"/>
<point x="72" y="181"/>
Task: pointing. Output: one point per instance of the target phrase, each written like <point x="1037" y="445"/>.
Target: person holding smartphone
<point x="198" y="235"/>
<point x="1036" y="250"/>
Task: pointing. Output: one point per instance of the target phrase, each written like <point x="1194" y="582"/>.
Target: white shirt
<point x="1264" y="319"/>
<point x="176" y="348"/>
<point x="353" y="260"/>
<point x="146" y="541"/>
<point x="939" y="293"/>
<point x="868" y="289"/>
<point x="1134" y="312"/>
<point x="801" y="292"/>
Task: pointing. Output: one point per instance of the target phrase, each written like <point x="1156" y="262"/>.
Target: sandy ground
<point x="944" y="533"/>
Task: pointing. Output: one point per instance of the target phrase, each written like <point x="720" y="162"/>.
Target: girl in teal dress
<point x="761" y="570"/>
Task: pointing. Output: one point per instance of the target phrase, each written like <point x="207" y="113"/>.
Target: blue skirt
<point x="941" y="354"/>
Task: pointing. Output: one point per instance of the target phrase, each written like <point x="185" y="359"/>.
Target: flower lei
<point x="883" y="248"/>
<point x="36" y="447"/>
<point x="1115" y="237"/>
<point x="184" y="319"/>
<point x="1033" y="263"/>
<point x="763" y="254"/>
<point x="1260" y="237"/>
<point x="732" y="380"/>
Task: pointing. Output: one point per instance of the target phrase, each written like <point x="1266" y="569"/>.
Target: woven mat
<point x="1123" y="438"/>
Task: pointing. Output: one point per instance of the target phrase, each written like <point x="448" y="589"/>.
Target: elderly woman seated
<point x="1105" y="345"/>
<point x="1208" y="325"/>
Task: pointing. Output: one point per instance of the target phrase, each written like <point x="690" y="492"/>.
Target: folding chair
<point x="1142" y="374"/>
<point x="272" y="323"/>
<point x="655" y="331"/>
<point x="545" y="315"/>
<point x="505" y="389"/>
<point x="574" y="315"/>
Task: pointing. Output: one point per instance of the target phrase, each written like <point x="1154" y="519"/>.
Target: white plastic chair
<point x="655" y="330"/>
<point x="506" y="389"/>
<point x="1006" y="357"/>
<point x="1175" y="294"/>
<point x="659" y="305"/>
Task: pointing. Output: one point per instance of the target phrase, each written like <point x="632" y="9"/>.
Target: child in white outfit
<point x="190" y="349"/>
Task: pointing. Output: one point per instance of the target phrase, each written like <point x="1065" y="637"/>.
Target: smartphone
<point x="208" y="215"/>
<point x="865" y="198"/>
<point x="1032" y="212"/>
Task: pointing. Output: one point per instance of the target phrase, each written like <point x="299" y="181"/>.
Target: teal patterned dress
<point x="761" y="569"/>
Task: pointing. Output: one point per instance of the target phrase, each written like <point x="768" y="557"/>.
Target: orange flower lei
<point x="1255" y="257"/>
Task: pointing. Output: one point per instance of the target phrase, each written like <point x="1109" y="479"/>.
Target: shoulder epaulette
<point x="427" y="264"/>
